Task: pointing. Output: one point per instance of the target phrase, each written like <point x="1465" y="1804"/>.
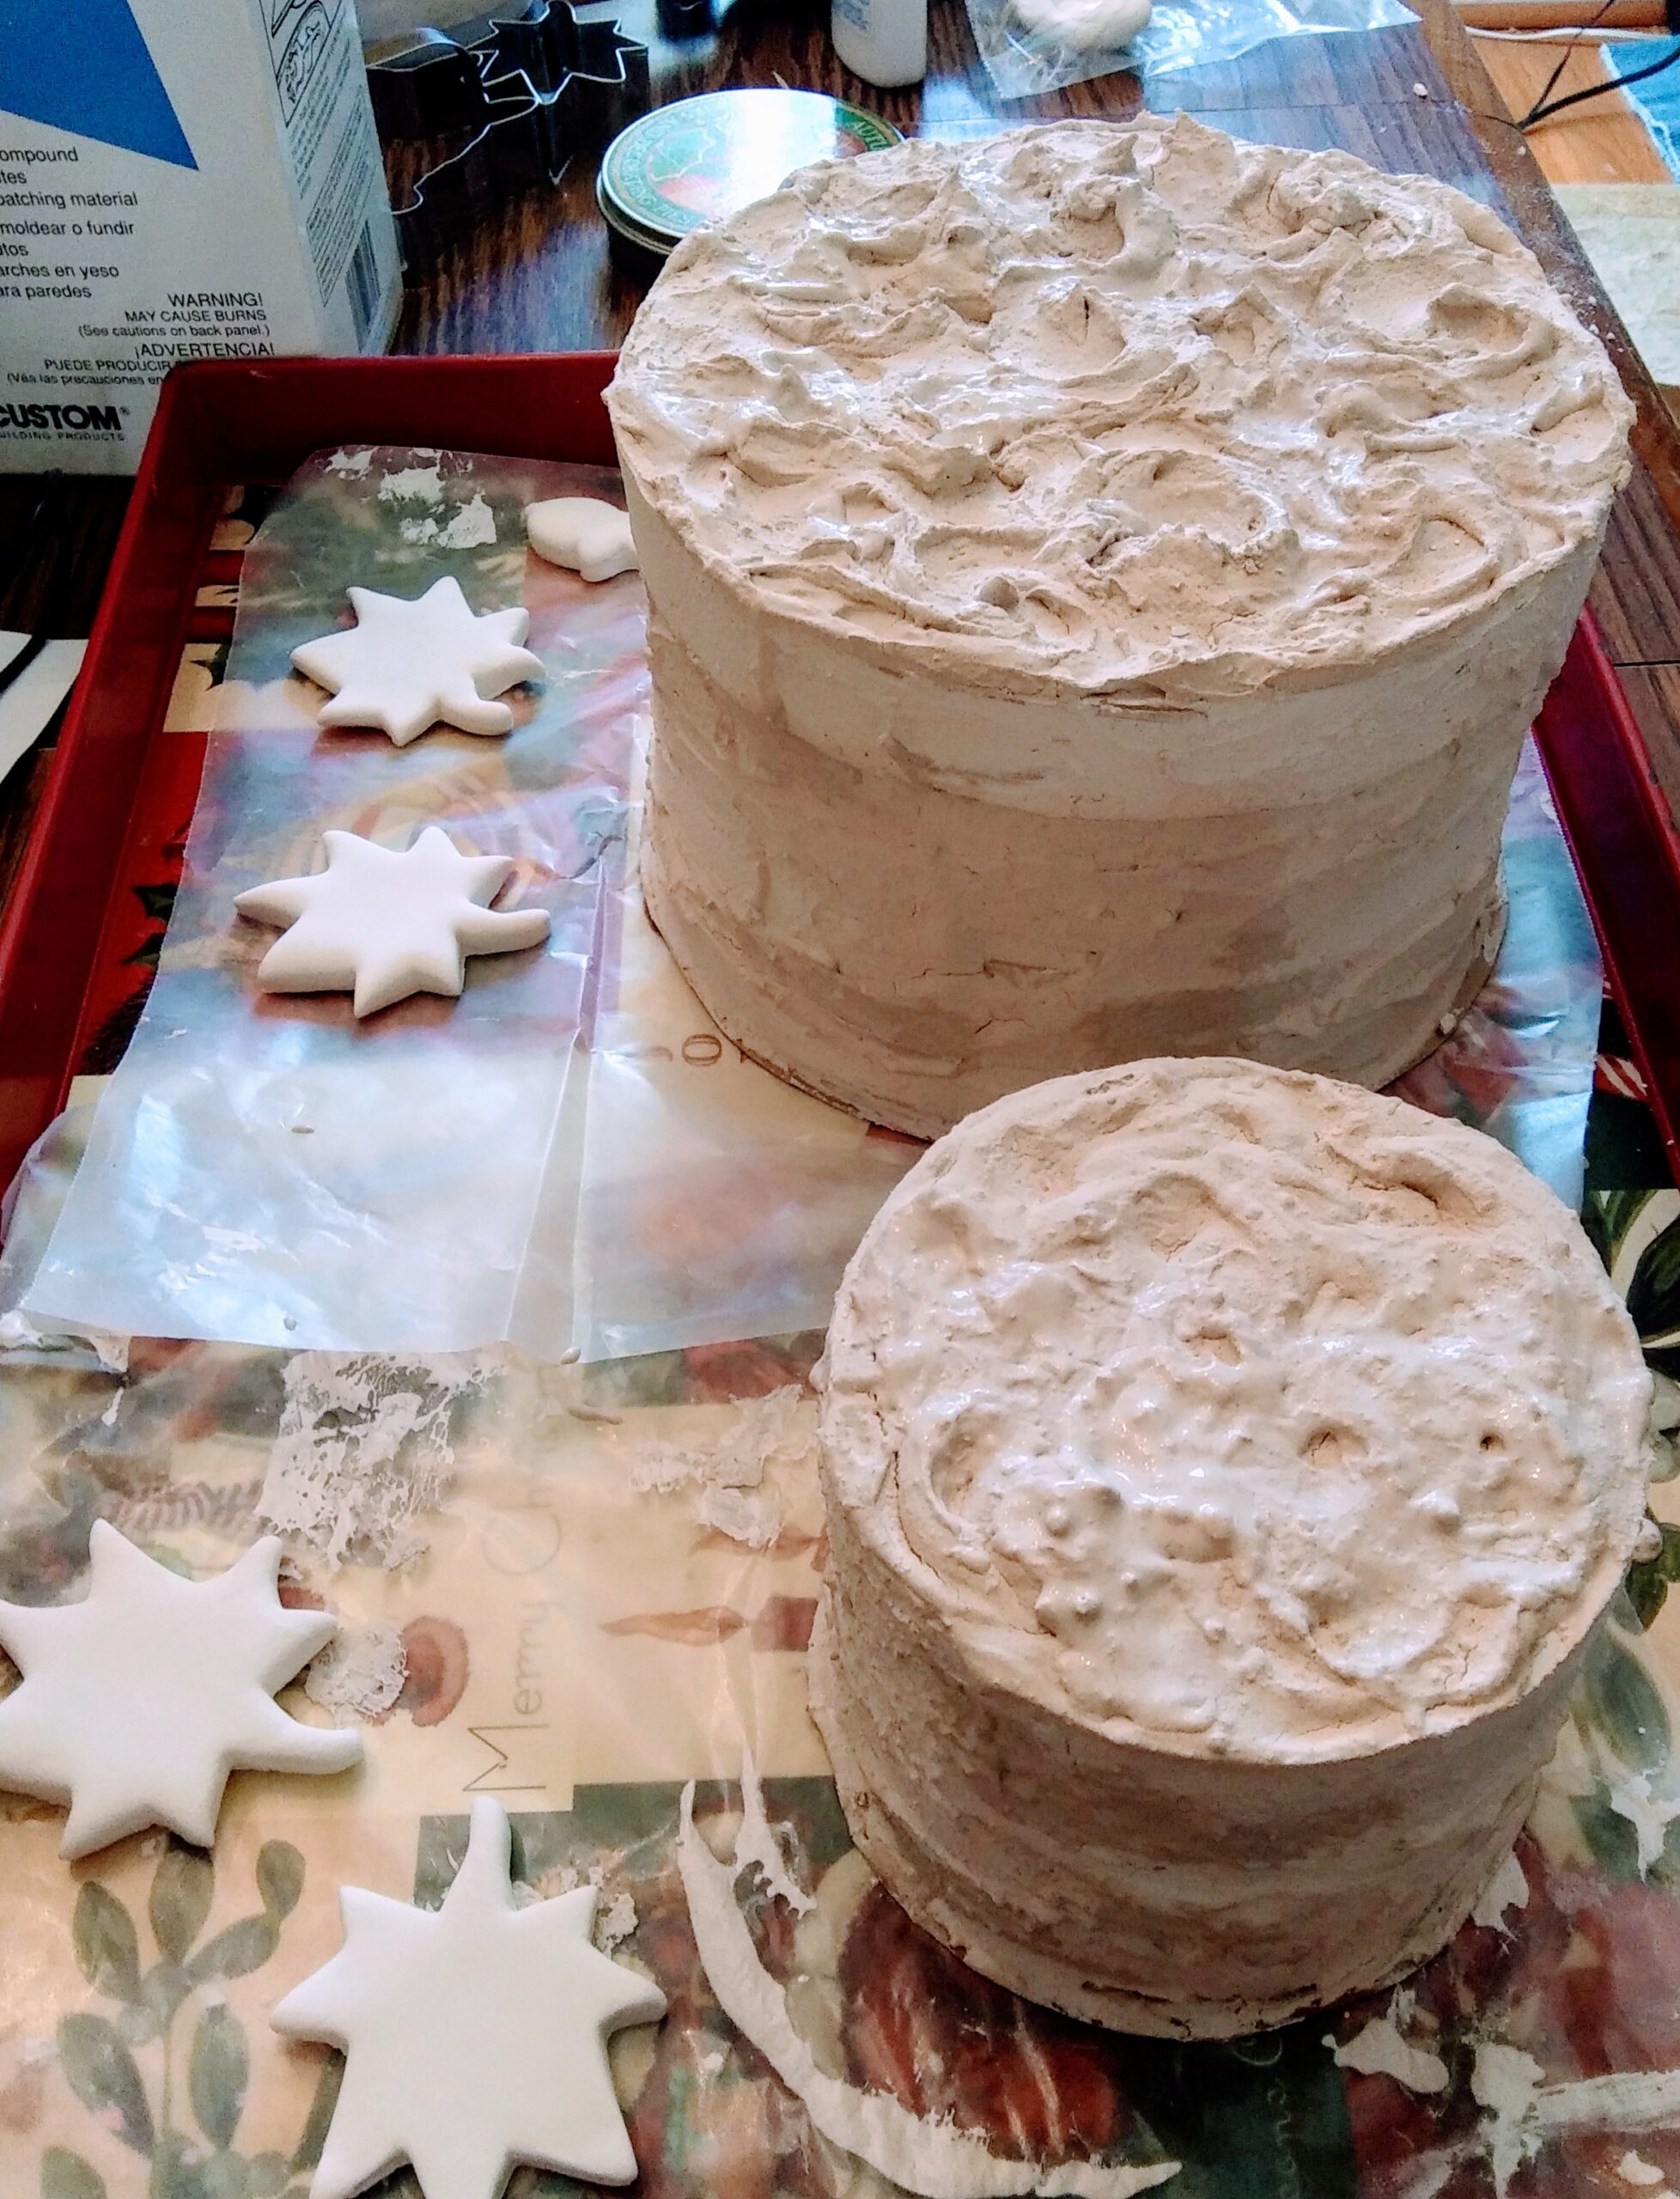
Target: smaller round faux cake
<point x="1226" y="1471"/>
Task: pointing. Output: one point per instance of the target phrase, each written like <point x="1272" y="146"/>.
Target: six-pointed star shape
<point x="405" y="664"/>
<point x="475" y="2034"/>
<point x="137" y="1702"/>
<point x="387" y="924"/>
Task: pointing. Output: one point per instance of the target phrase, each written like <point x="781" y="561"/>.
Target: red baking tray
<point x="78" y="914"/>
<point x="221" y="424"/>
<point x="1621" y="834"/>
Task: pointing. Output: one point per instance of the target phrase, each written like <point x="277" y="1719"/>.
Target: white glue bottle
<point x="883" y="41"/>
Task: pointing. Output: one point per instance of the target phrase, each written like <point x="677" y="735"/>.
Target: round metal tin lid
<point x="701" y="159"/>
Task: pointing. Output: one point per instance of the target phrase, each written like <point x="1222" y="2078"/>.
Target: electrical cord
<point x="1545" y="107"/>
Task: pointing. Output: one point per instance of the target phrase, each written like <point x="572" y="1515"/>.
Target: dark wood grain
<point x="1653" y="690"/>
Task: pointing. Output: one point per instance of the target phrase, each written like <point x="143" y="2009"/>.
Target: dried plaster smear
<point x="935" y="2160"/>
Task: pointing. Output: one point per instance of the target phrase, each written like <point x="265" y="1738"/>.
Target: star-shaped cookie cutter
<point x="526" y="90"/>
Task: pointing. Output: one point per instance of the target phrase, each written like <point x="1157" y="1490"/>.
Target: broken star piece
<point x="475" y="2034"/>
<point x="137" y="1702"/>
<point x="383" y="923"/>
<point x="591" y="538"/>
<point x="407" y="664"/>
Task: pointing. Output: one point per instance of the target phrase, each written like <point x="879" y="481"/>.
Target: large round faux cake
<point x="1100" y="576"/>
<point x="1225" y="1469"/>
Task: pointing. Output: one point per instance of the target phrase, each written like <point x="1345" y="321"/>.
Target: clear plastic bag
<point x="1180" y="35"/>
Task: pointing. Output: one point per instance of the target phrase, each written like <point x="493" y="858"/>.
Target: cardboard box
<point x="179" y="179"/>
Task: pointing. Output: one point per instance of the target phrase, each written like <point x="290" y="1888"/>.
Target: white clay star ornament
<point x="591" y="538"/>
<point x="137" y="1702"/>
<point x="407" y="664"/>
<point x="381" y="923"/>
<point x="475" y="2034"/>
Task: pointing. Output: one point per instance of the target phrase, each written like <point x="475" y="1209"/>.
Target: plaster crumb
<point x="364" y="1445"/>
<point x="420" y="484"/>
<point x="1649" y="1544"/>
<point x="1634" y="2169"/>
<point x="361" y="1670"/>
<point x="1507" y="1889"/>
<point x="615" y="1922"/>
<point x="1379" y="2050"/>
<point x="936" y="2161"/>
<point x="725" y="1466"/>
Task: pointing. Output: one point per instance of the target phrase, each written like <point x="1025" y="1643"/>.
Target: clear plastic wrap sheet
<point x="1520" y="1065"/>
<point x="609" y="1581"/>
<point x="717" y="1202"/>
<point x="659" y="1192"/>
<point x="262" y="1168"/>
<point x="1179" y="34"/>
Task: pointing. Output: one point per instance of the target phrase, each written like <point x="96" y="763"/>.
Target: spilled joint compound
<point x="614" y="1923"/>
<point x="1507" y="1889"/>
<point x="1381" y="2051"/>
<point x="934" y="2159"/>
<point x="360" y="1673"/>
<point x="756" y="1843"/>
<point x="728" y="1466"/>
<point x="364" y="1445"/>
<point x="1629" y="1795"/>
<point x="1526" y="2111"/>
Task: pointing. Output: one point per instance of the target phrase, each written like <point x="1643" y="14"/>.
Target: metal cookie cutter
<point x="526" y="91"/>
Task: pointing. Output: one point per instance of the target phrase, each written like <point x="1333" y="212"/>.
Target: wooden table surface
<point x="540" y="276"/>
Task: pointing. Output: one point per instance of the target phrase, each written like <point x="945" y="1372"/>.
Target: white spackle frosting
<point x="1249" y="1409"/>
<point x="1120" y="403"/>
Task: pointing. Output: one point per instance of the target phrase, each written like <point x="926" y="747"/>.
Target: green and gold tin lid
<point x="699" y="160"/>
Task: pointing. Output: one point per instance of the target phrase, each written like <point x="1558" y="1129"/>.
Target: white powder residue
<point x="727" y="1466"/>
<point x="1526" y="2112"/>
<point x="615" y="1922"/>
<point x="935" y="2160"/>
<point x="612" y="1924"/>
<point x="473" y="524"/>
<point x="1379" y="2050"/>
<point x="420" y="484"/>
<point x="350" y="465"/>
<point x="364" y="1446"/>
<point x="361" y="1672"/>
<point x="1507" y="1889"/>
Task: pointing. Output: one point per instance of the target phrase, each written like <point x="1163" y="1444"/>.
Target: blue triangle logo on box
<point x="82" y="66"/>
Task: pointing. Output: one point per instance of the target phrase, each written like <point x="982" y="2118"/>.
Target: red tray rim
<point x="222" y="423"/>
<point x="219" y="423"/>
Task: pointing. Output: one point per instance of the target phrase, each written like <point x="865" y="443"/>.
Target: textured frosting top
<point x="1252" y="1410"/>
<point x="1106" y="400"/>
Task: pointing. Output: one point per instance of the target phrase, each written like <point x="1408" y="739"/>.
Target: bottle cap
<point x="702" y="159"/>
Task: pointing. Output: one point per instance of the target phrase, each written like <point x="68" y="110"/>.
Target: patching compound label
<point x="179" y="179"/>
